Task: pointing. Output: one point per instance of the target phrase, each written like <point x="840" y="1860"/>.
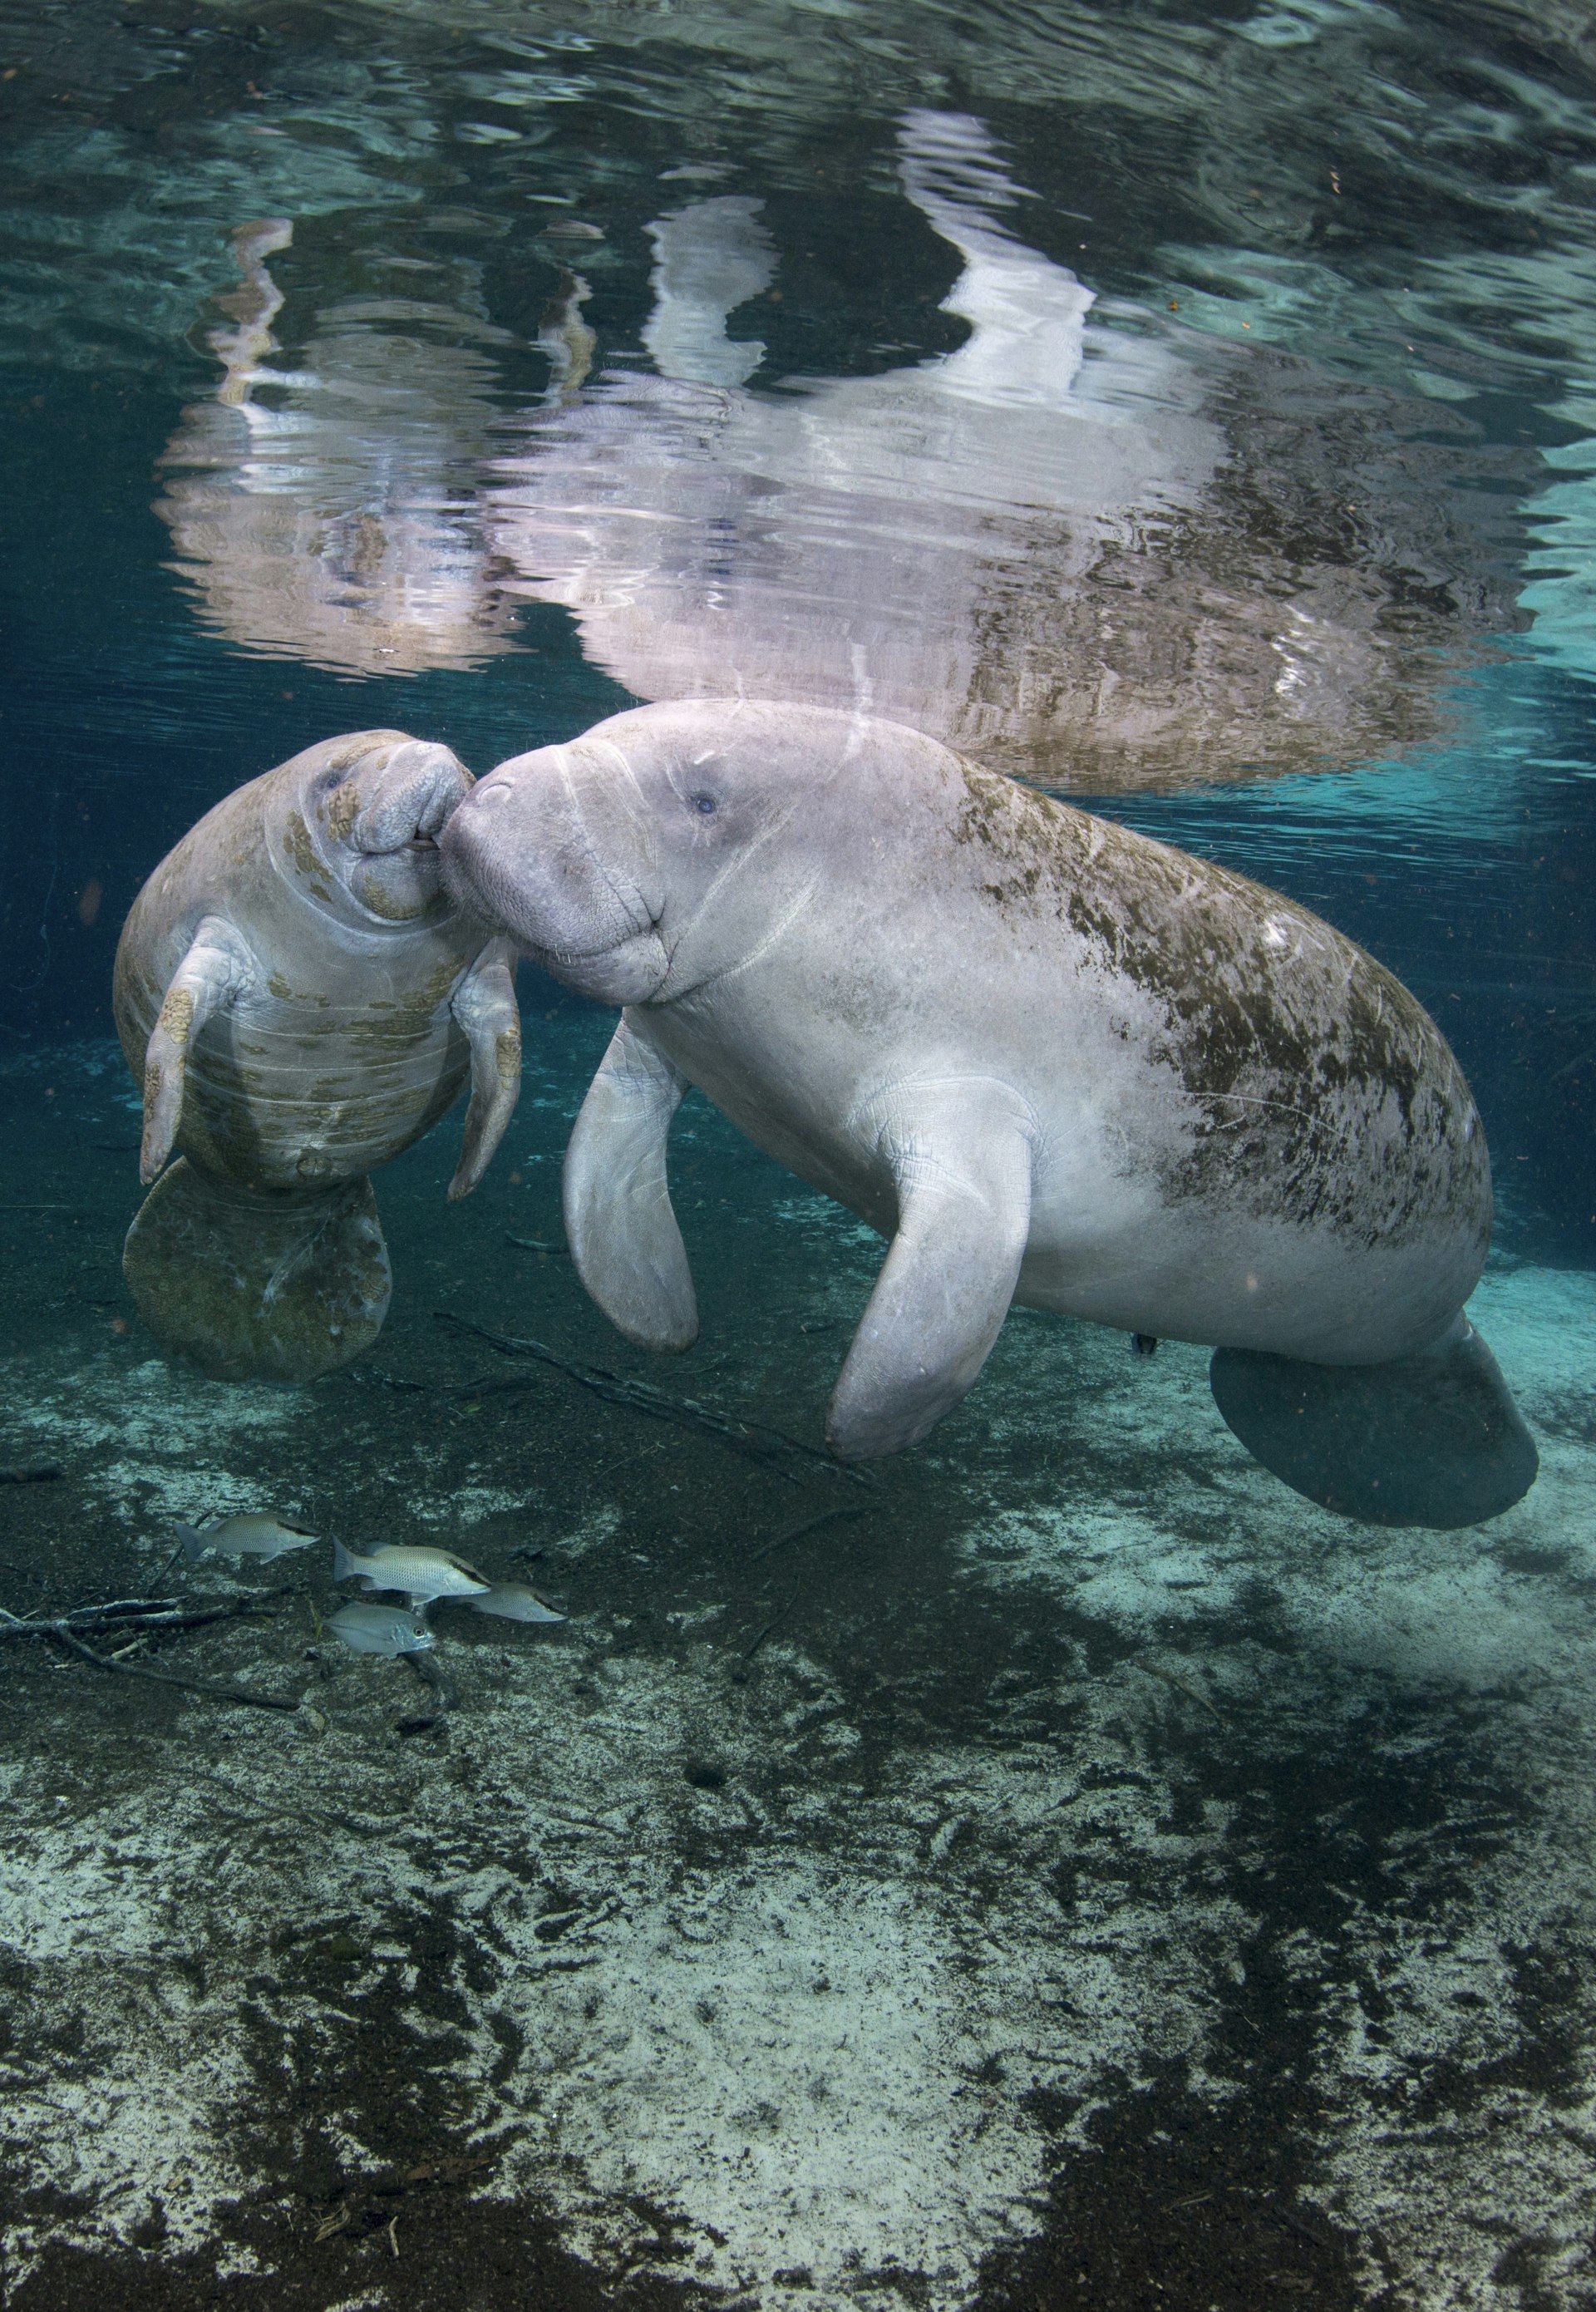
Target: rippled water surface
<point x="1069" y="1870"/>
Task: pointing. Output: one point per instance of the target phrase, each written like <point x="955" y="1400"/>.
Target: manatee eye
<point x="703" y="802"/>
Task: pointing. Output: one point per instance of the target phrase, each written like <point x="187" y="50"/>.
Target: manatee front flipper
<point x="618" y="1222"/>
<point x="960" y="1153"/>
<point x="217" y="969"/>
<point x="258" y="1287"/>
<point x="1430" y="1441"/>
<point x="484" y="1004"/>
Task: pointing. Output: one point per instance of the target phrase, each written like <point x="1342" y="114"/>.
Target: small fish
<point x="243" y="1537"/>
<point x="421" y="1573"/>
<point x="515" y="1603"/>
<point x="379" y="1630"/>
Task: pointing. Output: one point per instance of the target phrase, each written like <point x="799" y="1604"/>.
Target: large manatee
<point x="300" y="1001"/>
<point x="1053" y="1061"/>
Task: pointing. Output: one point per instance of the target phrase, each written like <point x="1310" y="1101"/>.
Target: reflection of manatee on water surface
<point x="300" y="1001"/>
<point x="1052" y="1060"/>
<point x="337" y="524"/>
<point x="1086" y="547"/>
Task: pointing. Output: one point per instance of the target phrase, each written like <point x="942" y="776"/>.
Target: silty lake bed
<point x="1066" y="1869"/>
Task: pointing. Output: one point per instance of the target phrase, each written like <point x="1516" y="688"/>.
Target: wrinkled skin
<point x="1051" y="1060"/>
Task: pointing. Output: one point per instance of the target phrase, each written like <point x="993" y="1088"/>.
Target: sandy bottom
<point x="1067" y="1869"/>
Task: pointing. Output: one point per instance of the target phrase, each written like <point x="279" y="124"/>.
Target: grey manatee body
<point x="300" y="1001"/>
<point x="1053" y="1061"/>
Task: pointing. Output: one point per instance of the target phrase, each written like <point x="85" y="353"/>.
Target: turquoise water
<point x="1068" y="1870"/>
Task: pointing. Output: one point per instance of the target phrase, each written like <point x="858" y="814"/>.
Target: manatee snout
<point x="410" y="797"/>
<point x="475" y="863"/>
<point x="400" y="809"/>
<point x="530" y="854"/>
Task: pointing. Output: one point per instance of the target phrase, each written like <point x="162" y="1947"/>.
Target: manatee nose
<point x="464" y="844"/>
<point x="517" y="851"/>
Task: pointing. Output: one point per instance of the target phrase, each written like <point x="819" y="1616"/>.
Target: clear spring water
<point x="1083" y="1875"/>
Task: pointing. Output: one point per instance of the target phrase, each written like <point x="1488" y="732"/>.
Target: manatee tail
<point x="258" y="1287"/>
<point x="1430" y="1441"/>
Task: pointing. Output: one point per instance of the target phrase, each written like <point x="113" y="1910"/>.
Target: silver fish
<point x="379" y="1630"/>
<point x="515" y="1603"/>
<point x="421" y="1573"/>
<point x="243" y="1537"/>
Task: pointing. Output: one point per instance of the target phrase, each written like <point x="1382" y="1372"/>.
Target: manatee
<point x="1051" y="1060"/>
<point x="300" y="1000"/>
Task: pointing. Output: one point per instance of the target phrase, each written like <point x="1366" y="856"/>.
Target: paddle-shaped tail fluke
<point x="1432" y="1441"/>
<point x="258" y="1287"/>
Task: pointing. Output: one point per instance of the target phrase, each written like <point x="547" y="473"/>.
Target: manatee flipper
<point x="258" y="1287"/>
<point x="622" y="1232"/>
<point x="1430" y="1441"/>
<point x="484" y="1004"/>
<point x="217" y="969"/>
<point x="961" y="1155"/>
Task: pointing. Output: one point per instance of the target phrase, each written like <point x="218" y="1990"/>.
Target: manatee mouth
<point x="417" y="850"/>
<point x="397" y="871"/>
<point x="629" y="970"/>
<point x="406" y="820"/>
<point x="649" y="930"/>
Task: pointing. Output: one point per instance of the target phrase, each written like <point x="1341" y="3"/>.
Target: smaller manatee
<point x="300" y="1001"/>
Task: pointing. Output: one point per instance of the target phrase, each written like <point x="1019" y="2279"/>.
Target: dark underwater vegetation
<point x="1057" y="1867"/>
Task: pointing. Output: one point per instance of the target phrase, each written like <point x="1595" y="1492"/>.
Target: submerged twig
<point x="379" y="1379"/>
<point x="67" y="1625"/>
<point x="121" y="1613"/>
<point x="1192" y="1693"/>
<point x="217" y="1692"/>
<point x="752" y="1439"/>
<point x="536" y="1244"/>
<point x="146" y="1616"/>
<point x="796" y="1532"/>
<point x="780" y="1615"/>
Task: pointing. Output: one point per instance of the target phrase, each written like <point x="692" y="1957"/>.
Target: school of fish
<point x="418" y="1571"/>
